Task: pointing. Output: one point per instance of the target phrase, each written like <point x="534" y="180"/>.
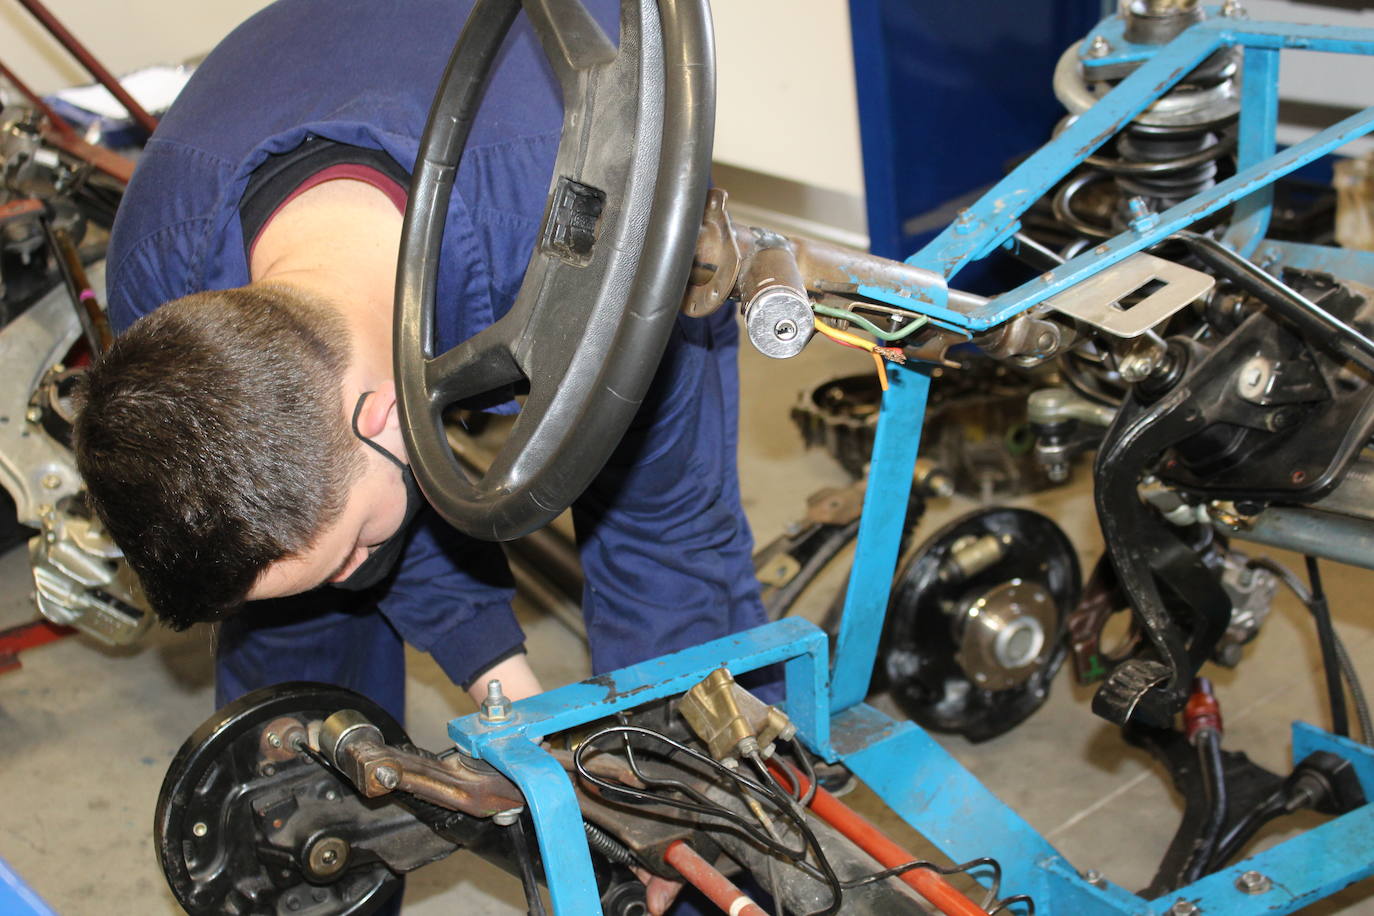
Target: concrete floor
<point x="86" y="732"/>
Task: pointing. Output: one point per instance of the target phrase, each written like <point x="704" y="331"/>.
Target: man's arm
<point x="665" y="546"/>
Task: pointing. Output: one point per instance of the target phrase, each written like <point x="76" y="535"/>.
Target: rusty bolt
<point x="1298" y="476"/>
<point x="387" y="777"/>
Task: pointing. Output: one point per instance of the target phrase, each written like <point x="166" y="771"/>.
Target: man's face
<point x="374" y="512"/>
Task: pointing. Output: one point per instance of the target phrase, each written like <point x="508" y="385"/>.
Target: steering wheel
<point x="606" y="278"/>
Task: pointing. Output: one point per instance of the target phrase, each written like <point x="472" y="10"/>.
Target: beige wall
<point x="123" y="34"/>
<point x="787" y="103"/>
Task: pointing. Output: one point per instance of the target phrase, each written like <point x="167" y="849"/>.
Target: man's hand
<point x="516" y="677"/>
<point x="659" y="893"/>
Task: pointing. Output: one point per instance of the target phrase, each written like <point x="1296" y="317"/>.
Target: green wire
<point x="917" y="322"/>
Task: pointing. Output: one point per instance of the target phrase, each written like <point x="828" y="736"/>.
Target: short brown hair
<point x="212" y="441"/>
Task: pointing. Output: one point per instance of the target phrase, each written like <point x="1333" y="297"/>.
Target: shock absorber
<point x="1169" y="152"/>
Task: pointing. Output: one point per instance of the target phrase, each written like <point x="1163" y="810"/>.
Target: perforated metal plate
<point x="1097" y="300"/>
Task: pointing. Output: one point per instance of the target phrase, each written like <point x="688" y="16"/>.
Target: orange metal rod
<point x="719" y="889"/>
<point x="932" y="885"/>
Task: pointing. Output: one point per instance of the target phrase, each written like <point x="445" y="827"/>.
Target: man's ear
<point x="379" y="411"/>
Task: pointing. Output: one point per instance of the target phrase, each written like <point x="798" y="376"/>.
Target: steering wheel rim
<point x="604" y="283"/>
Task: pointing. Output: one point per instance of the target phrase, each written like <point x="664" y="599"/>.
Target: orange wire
<point x="858" y="343"/>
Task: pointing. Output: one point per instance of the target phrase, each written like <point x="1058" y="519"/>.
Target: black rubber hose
<point x="1326" y="635"/>
<point x="1208" y="744"/>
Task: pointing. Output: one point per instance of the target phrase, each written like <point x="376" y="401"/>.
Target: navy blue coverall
<point x="663" y="540"/>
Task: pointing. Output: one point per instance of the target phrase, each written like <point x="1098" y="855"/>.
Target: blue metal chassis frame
<point x="911" y="772"/>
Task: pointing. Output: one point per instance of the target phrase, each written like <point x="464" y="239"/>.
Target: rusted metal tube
<point x="719" y="889"/>
<point x="61" y="135"/>
<point x="828" y="268"/>
<point x="87" y="60"/>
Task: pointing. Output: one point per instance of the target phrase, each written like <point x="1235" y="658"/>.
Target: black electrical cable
<point x="1011" y="901"/>
<point x="1352" y="677"/>
<point x="709" y="809"/>
<point x="521" y="849"/>
<point x="1326" y="635"/>
<point x="788" y="805"/>
<point x="773" y="792"/>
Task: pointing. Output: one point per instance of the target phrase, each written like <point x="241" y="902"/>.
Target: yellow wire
<point x="839" y="336"/>
<point x="845" y="337"/>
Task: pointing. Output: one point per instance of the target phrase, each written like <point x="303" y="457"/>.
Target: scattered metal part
<point x="936" y="640"/>
<point x="838" y="505"/>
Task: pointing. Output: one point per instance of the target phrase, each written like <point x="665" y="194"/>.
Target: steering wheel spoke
<point x="573" y="41"/>
<point x="481" y="365"/>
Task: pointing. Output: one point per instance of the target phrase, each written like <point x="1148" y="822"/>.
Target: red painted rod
<point x="719" y="889"/>
<point x="93" y="66"/>
<point x="929" y="884"/>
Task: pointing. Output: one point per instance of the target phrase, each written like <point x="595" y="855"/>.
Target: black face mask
<point x="382" y="558"/>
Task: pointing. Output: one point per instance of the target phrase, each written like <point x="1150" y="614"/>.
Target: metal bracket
<point x="1097" y="299"/>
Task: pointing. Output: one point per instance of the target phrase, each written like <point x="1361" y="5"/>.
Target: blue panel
<point x="880" y="533"/>
<point x="1346" y="263"/>
<point x="1259" y="118"/>
<point x="933" y="792"/>
<point x="948" y="94"/>
<point x="1304" y="869"/>
<point x="557" y="823"/>
<point x="16" y="899"/>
